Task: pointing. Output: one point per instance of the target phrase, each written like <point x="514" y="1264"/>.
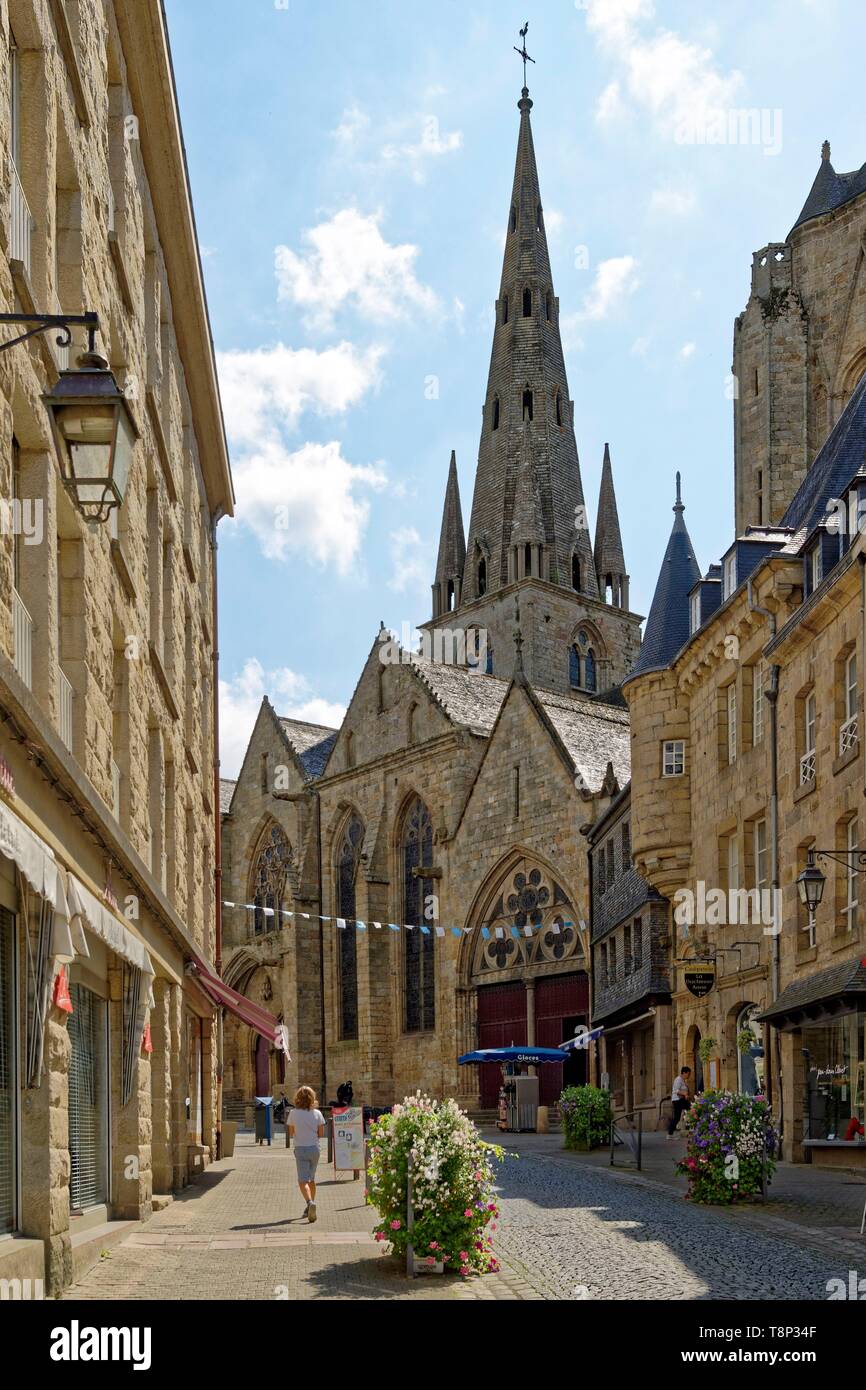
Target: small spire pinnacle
<point x="678" y="505"/>
<point x="825" y="151"/>
<point x="518" y="640"/>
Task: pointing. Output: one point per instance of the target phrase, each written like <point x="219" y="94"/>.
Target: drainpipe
<point x="322" y="1093"/>
<point x="217" y="858"/>
<point x="772" y="697"/>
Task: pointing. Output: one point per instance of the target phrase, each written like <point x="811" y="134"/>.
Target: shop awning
<point x="828" y="992"/>
<point x="85" y="909"/>
<point x="250" y="1013"/>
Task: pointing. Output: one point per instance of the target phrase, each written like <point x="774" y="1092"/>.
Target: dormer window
<point x="495" y="422"/>
<point x="527" y="304"/>
<point x="815" y="566"/>
<point x="730" y="576"/>
<point x="695" y="611"/>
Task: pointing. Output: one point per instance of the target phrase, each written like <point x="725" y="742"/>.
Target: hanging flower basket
<point x="454" y="1212"/>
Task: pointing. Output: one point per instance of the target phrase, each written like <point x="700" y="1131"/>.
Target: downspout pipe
<point x="217" y="858"/>
<point x="772" y="697"/>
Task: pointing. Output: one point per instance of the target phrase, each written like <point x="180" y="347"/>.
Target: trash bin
<point x="264" y="1118"/>
<point x="229" y="1131"/>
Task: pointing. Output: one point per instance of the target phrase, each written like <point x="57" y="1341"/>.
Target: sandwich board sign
<point x="348" y="1138"/>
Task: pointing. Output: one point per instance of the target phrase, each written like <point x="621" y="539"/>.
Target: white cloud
<point x="673" y="79"/>
<point x="432" y="144"/>
<point x="267" y="385"/>
<point x="640" y="347"/>
<point x="241" y="697"/>
<point x="309" y="502"/>
<point x="554" y="220"/>
<point x="569" y="332"/>
<point x="350" y="263"/>
<point x="673" y="202"/>
<point x="686" y="351"/>
<point x="353" y="122"/>
<point x="615" y="279"/>
<point x="411" y="561"/>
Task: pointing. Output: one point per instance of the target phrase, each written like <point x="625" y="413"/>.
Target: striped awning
<point x="250" y="1013"/>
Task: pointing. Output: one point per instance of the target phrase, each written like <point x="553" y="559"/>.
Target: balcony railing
<point x="21" y="228"/>
<point x="807" y="768"/>
<point x="115" y="790"/>
<point x="22" y="625"/>
<point x="848" y="735"/>
<point x="66" y="696"/>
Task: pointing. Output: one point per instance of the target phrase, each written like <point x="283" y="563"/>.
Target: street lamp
<point x="93" y="429"/>
<point x="810" y="885"/>
<point x="95" y="436"/>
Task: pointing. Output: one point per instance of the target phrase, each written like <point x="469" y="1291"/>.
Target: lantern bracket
<point x="44" y="323"/>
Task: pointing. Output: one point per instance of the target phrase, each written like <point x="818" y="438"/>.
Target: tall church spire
<point x="609" y="559"/>
<point x="527" y="410"/>
<point x="452" y="547"/>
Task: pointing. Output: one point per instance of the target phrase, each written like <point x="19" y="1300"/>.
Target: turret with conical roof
<point x="609" y="559"/>
<point x="667" y="627"/>
<point x="452" y="547"/>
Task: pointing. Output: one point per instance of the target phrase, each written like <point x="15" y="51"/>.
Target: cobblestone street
<point x="570" y="1229"/>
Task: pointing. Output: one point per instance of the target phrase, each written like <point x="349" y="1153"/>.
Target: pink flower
<point x="395" y="1225"/>
<point x="431" y="1259"/>
<point x="380" y="1235"/>
<point x="434" y="1245"/>
<point x="478" y="1176"/>
<point x="463" y="1256"/>
<point x="468" y="1211"/>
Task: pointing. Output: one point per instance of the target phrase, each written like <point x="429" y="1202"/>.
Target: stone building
<point x="746" y="717"/>
<point x="437" y="830"/>
<point x="798" y="345"/>
<point x="107" y="649"/>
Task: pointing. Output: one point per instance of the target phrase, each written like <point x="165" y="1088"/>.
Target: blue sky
<point x="351" y="166"/>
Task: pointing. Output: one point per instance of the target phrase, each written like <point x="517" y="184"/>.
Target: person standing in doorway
<point x="306" y="1127"/>
<point x="681" y="1099"/>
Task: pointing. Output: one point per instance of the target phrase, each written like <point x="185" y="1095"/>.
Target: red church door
<point x="561" y="1002"/>
<point x="501" y="1022"/>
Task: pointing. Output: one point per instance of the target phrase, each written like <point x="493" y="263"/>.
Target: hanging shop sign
<point x="699" y="977"/>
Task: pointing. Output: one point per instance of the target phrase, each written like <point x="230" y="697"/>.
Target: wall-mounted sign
<point x="699" y="977"/>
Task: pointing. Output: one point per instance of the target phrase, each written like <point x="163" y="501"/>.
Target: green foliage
<point x="706" y="1048"/>
<point x="585" y="1112"/>
<point x="452" y="1184"/>
<point x="728" y="1133"/>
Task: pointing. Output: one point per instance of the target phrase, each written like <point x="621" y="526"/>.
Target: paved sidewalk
<point x="239" y="1232"/>
<point x="818" y="1205"/>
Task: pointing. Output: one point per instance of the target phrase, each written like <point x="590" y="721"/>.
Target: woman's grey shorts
<point x="306" y="1157"/>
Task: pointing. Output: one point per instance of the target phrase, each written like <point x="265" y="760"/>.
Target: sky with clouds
<point x="351" y="165"/>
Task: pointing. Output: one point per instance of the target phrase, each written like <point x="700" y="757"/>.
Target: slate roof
<point x="311" y="742"/>
<point x="848" y="978"/>
<point x="594" y="734"/>
<point x="830" y="190"/>
<point x="838" y="460"/>
<point x="667" y="627"/>
<point x="227" y="791"/>
<point x="467" y="697"/>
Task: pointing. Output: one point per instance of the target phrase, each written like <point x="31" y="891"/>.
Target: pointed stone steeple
<point x="527" y="400"/>
<point x="667" y="627"/>
<point x="452" y="548"/>
<point x="609" y="559"/>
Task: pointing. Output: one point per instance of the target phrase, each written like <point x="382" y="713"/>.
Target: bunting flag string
<point x="343" y="924"/>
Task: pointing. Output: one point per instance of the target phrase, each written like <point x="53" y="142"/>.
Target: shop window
<point x="834" y="1065"/>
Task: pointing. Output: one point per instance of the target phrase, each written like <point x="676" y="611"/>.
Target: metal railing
<point x="807" y="768"/>
<point x="848" y="735"/>
<point x="65" y="711"/>
<point x="629" y="1136"/>
<point x="21" y="222"/>
<point x="22" y="625"/>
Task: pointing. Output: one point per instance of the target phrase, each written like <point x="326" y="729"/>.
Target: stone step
<point x="88" y="1244"/>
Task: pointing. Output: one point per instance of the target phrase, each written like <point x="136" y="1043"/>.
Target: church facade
<point x="437" y="831"/>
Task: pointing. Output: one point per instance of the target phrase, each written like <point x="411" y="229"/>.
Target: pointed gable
<point x="667" y="627"/>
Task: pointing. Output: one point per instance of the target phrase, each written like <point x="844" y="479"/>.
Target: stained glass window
<point x="269" y="880"/>
<point x="347" y="874"/>
<point x="418" y="961"/>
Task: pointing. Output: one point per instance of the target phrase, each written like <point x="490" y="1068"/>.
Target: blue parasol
<point x="532" y="1056"/>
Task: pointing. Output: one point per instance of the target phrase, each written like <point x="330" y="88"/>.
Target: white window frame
<point x="733" y="858"/>
<point x="849" y="732"/>
<point x="730" y="574"/>
<point x="695" y="610"/>
<point x="762" y="855"/>
<point x="673" y="757"/>
<point x="731" y="698"/>
<point x="810" y="719"/>
<point x="759" y="676"/>
<point x="815" y="565"/>
<point x="852" y="896"/>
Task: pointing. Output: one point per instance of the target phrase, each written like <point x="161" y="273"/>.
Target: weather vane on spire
<point x="522" y="51"/>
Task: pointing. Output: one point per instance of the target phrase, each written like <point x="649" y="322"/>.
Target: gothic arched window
<point x="527" y="303"/>
<point x="589" y="670"/>
<point x="269" y="880"/>
<point x="583" y="663"/>
<point x="348" y="858"/>
<point x="488" y="670"/>
<point x="573" y="666"/>
<point x="419" y="981"/>
<point x="496" y="412"/>
<point x="482" y="577"/>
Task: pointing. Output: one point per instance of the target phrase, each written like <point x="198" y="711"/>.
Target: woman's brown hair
<point x="305" y="1098"/>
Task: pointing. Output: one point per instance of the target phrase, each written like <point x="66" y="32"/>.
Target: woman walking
<point x="307" y="1127"/>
